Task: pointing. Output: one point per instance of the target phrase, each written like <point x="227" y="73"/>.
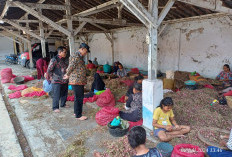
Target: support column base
<point x="152" y="95"/>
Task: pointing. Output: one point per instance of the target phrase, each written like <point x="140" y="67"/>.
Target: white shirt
<point x="229" y="143"/>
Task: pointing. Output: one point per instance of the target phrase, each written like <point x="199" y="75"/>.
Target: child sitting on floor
<point x="165" y="125"/>
<point x="137" y="140"/>
<point x="47" y="86"/>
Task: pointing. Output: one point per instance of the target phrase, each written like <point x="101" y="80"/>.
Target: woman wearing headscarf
<point x="97" y="85"/>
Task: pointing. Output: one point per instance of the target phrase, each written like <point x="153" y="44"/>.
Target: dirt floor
<point x="52" y="134"/>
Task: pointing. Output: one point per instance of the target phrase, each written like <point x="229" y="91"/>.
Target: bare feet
<point x="96" y="154"/>
<point x="56" y="110"/>
<point x="82" y="118"/>
<point x="179" y="136"/>
<point x="67" y="106"/>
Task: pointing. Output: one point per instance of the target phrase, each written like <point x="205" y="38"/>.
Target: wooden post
<point x="152" y="41"/>
<point x="70" y="27"/>
<point x="15" y="48"/>
<point x="112" y="46"/>
<point x="41" y="29"/>
<point x="21" y="46"/>
<point x="30" y="51"/>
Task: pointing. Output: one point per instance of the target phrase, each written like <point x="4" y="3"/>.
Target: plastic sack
<point x="138" y="123"/>
<point x="17" y="88"/>
<point x="15" y="95"/>
<point x="106" y="99"/>
<point x="209" y="86"/>
<point x="98" y="92"/>
<point x="168" y="83"/>
<point x="28" y="78"/>
<point x="122" y="99"/>
<point x="70" y="98"/>
<point x="106" y="115"/>
<point x="35" y="93"/>
<point x="30" y="90"/>
<point x="190" y="82"/>
<point x="6" y="75"/>
<point x="177" y="153"/>
<point x="90" y="99"/>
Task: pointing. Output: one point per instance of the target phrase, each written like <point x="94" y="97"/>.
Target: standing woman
<point x="76" y="73"/>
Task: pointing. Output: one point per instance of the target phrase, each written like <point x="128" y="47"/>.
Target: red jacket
<point x="91" y="66"/>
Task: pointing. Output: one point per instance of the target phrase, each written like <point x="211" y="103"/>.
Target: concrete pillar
<point x="152" y="95"/>
<point x="152" y="87"/>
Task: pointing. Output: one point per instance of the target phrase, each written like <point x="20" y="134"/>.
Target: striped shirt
<point x="229" y="143"/>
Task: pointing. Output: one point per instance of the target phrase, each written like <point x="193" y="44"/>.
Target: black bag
<point x="222" y="101"/>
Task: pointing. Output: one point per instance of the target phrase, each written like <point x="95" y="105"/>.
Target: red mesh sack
<point x="228" y="93"/>
<point x="90" y="99"/>
<point x="209" y="86"/>
<point x="28" y="78"/>
<point x="128" y="82"/>
<point x="135" y="70"/>
<point x="106" y="115"/>
<point x="70" y="98"/>
<point x="21" y="87"/>
<point x="177" y="153"/>
<point x="35" y="93"/>
<point x="6" y="75"/>
<point x="132" y="124"/>
<point x="15" y="95"/>
<point x="106" y="99"/>
<point x="122" y="99"/>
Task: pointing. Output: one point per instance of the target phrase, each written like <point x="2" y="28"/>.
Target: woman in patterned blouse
<point x="225" y="76"/>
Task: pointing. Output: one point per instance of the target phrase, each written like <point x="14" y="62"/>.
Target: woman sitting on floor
<point x="90" y="65"/>
<point x="134" y="114"/>
<point x="165" y="126"/>
<point x="129" y="93"/>
<point x="97" y="85"/>
<point x="121" y="71"/>
<point x="225" y="76"/>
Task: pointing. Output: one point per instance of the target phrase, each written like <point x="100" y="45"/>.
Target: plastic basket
<point x="117" y="131"/>
<point x="165" y="149"/>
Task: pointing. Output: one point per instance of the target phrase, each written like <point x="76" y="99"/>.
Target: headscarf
<point x="98" y="83"/>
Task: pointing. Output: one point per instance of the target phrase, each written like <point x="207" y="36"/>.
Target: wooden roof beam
<point x="25" y="21"/>
<point x="22" y="28"/>
<point x="139" y="11"/>
<point x="10" y="38"/>
<point x="13" y="33"/>
<point x="5" y="9"/>
<point x="41" y="17"/>
<point x="214" y="5"/>
<point x="106" y="21"/>
<point x="165" y="11"/>
<point x="46" y="6"/>
<point x="79" y="28"/>
<point x="98" y="26"/>
<point x="202" y="17"/>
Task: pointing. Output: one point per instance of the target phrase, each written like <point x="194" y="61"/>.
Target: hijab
<point x="98" y="83"/>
